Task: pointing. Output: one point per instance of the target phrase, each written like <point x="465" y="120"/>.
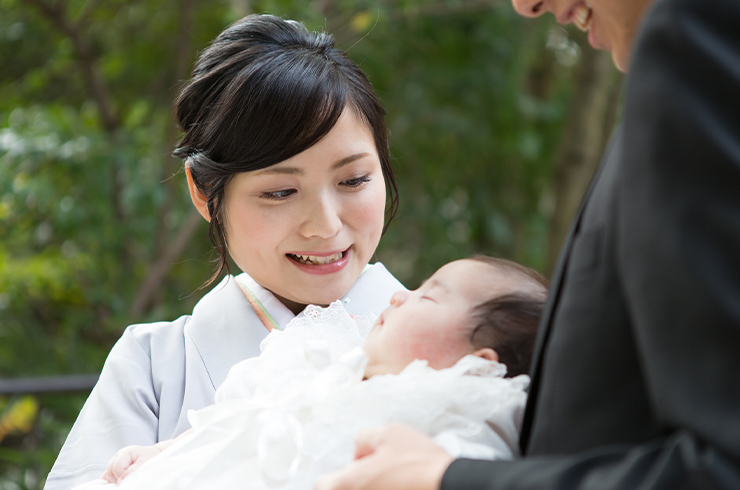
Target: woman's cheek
<point x="251" y="232"/>
<point x="370" y="211"/>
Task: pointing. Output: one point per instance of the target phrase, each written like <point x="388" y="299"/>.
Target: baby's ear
<point x="487" y="353"/>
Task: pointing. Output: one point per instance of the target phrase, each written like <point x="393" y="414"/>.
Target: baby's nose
<point x="398" y="298"/>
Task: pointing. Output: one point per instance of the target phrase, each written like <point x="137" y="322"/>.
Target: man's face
<point x="611" y="24"/>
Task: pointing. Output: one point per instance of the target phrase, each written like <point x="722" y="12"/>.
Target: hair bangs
<point x="275" y="110"/>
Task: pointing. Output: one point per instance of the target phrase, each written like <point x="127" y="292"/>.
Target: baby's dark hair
<point x="508" y="323"/>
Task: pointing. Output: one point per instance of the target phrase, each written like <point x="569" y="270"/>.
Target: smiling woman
<point x="286" y="156"/>
<point x="318" y="217"/>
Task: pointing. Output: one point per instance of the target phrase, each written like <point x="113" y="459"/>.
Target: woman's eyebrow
<point x="280" y="170"/>
<point x="275" y="169"/>
<point x="346" y="160"/>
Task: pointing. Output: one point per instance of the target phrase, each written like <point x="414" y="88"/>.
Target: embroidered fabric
<point x="283" y="418"/>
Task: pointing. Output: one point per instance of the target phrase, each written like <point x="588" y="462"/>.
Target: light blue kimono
<point x="156" y="372"/>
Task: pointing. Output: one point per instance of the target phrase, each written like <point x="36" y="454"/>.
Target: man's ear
<point x="199" y="200"/>
<point x="487" y="353"/>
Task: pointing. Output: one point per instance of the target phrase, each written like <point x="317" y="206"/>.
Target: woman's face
<point x="306" y="227"/>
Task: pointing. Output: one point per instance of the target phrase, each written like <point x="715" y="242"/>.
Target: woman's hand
<point x="130" y="458"/>
<point x="394" y="456"/>
<point x="127" y="460"/>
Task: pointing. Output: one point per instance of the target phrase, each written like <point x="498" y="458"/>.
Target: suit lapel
<point x="556" y="286"/>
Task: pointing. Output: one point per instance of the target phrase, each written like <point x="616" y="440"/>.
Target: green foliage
<point x="88" y="200"/>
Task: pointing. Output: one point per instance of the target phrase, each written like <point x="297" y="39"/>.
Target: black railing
<point x="48" y="384"/>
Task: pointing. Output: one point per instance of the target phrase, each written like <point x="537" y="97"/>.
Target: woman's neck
<point x="291" y="305"/>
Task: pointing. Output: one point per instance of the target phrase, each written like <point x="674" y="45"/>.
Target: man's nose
<point x="530" y="8"/>
<point x="321" y="219"/>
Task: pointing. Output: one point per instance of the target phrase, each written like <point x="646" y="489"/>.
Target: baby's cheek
<point x="438" y="353"/>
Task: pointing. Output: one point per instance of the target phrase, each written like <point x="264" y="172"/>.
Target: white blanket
<point x="285" y="417"/>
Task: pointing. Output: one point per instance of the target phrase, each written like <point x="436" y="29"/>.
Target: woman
<point x="286" y="156"/>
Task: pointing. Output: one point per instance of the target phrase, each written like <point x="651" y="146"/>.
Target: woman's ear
<point x="199" y="200"/>
<point x="487" y="353"/>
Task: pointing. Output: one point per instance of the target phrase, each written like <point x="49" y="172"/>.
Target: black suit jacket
<point x="636" y="376"/>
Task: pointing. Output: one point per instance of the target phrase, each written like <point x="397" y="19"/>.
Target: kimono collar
<point x="225" y="329"/>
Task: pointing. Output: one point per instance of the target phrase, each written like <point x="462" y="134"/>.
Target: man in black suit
<point x="636" y="375"/>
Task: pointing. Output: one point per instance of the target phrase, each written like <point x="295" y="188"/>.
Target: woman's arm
<point x="122" y="410"/>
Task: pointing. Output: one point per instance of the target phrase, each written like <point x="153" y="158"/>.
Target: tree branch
<point x="170" y="165"/>
<point x="86" y="11"/>
<point x="591" y="118"/>
<point x="87" y="59"/>
<point x="443" y="8"/>
<point x="95" y="82"/>
<point x="158" y="272"/>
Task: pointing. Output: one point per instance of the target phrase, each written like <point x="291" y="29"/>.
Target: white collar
<point x="277" y="312"/>
<point x="225" y="329"/>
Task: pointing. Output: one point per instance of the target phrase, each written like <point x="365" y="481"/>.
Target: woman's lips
<point x="320" y="263"/>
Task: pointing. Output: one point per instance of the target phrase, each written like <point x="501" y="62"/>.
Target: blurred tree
<point x="592" y="114"/>
<point x="96" y="228"/>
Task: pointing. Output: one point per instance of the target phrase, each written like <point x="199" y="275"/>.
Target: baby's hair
<point x="508" y="323"/>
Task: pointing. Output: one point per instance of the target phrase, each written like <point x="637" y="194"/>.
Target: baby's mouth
<point x="316" y="260"/>
<point x="379" y="322"/>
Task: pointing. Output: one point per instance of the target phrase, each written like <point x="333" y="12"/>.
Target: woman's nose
<point x="398" y="298"/>
<point x="530" y="8"/>
<point x="322" y="219"/>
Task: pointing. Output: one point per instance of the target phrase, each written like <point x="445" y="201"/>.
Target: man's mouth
<point x="317" y="260"/>
<point x="583" y="17"/>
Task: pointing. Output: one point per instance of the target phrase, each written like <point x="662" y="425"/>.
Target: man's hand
<point x="391" y="457"/>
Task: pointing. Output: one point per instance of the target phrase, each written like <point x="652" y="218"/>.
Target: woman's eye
<point x="356" y="182"/>
<point x="277" y="195"/>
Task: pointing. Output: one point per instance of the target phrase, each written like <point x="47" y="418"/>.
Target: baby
<point x="292" y="413"/>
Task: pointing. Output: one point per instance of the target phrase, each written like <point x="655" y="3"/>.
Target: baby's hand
<point x="127" y="460"/>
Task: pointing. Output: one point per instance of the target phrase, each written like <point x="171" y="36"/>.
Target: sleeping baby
<point x="449" y="359"/>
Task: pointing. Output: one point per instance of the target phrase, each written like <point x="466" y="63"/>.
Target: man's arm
<point x="679" y="251"/>
<point x="679" y="256"/>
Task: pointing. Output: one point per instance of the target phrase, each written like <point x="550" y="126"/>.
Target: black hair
<point x="265" y="90"/>
<point x="508" y="323"/>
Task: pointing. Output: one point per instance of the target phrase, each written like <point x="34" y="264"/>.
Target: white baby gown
<point x="285" y="417"/>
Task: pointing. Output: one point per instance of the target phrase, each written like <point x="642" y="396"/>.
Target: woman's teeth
<point x="582" y="17"/>
<point x="314" y="260"/>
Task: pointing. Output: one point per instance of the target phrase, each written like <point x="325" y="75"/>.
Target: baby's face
<point x="434" y="322"/>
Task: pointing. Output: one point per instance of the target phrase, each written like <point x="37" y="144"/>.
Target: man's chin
<point x="621" y="61"/>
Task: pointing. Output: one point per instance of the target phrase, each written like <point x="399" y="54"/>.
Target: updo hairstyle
<point x="265" y="90"/>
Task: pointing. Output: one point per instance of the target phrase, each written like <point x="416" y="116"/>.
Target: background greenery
<point x="96" y="228"/>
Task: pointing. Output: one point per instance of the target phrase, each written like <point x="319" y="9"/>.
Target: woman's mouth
<point x="317" y="259"/>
